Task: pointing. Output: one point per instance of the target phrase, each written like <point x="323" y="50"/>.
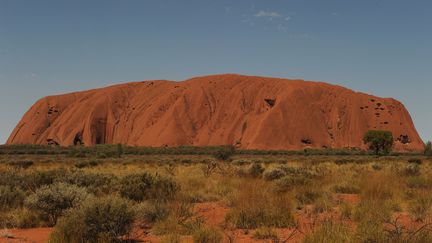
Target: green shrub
<point x="86" y="164"/>
<point x="412" y="170"/>
<point x="11" y="198"/>
<point x="255" y="170"/>
<point x="97" y="220"/>
<point x="377" y="166"/>
<point x="415" y="161"/>
<point x="139" y="187"/>
<point x="152" y="212"/>
<point x="273" y="174"/>
<point x="96" y="183"/>
<point x="36" y="179"/>
<point x="346" y="189"/>
<point x="22" y="164"/>
<point x="428" y="149"/>
<point x="53" y="200"/>
<point x="19" y="218"/>
<point x="290" y="182"/>
<point x="207" y="235"/>
<point x="224" y="153"/>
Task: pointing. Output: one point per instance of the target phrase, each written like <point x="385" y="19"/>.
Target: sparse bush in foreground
<point x="19" y="218"/>
<point x="11" y="197"/>
<point x="255" y="170"/>
<point x="420" y="207"/>
<point x="152" y="212"/>
<point x="256" y="207"/>
<point x="207" y="235"/>
<point x="330" y="232"/>
<point x="52" y="201"/>
<point x="97" y="220"/>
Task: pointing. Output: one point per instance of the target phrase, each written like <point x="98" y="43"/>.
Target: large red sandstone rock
<point x="252" y="112"/>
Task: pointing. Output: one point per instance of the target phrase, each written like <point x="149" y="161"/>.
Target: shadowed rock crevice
<point x="270" y="102"/>
<point x="78" y="139"/>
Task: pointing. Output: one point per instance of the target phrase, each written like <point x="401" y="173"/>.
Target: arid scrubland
<point x="217" y="196"/>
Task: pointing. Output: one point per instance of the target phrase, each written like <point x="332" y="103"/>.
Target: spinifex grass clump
<point x="257" y="206"/>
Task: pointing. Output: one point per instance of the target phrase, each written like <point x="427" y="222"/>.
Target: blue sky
<point x="381" y="47"/>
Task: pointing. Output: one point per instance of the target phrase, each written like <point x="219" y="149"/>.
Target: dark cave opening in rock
<point x="270" y="102"/>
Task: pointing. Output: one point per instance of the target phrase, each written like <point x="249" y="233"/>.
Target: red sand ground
<point x="250" y="112"/>
<point x="213" y="214"/>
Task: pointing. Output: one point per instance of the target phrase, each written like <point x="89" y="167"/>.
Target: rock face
<point x="249" y="112"/>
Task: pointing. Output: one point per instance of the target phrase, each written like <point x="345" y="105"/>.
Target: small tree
<point x="224" y="153"/>
<point x="379" y="141"/>
<point x="428" y="149"/>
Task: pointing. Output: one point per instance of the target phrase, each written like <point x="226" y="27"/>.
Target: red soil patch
<point x="212" y="213"/>
<point x="36" y="235"/>
<point x="251" y="112"/>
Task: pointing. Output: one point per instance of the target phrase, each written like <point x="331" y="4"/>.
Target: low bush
<point x="420" y="207"/>
<point x="330" y="232"/>
<point x="224" y="153"/>
<point x="419" y="182"/>
<point x="207" y="235"/>
<point x="308" y="195"/>
<point x="19" y="218"/>
<point x="53" y="200"/>
<point x="273" y="174"/>
<point x="255" y="206"/>
<point x="346" y="189"/>
<point x="266" y="233"/>
<point x="152" y="212"/>
<point x="290" y="182"/>
<point x="377" y="166"/>
<point x="22" y="164"/>
<point x="415" y="161"/>
<point x="255" y="170"/>
<point x="412" y="169"/>
<point x="96" y="183"/>
<point x="10" y="197"/>
<point x="139" y="187"/>
<point x="86" y="164"/>
<point x="97" y="220"/>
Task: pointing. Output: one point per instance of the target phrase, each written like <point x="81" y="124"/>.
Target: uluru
<point x="246" y="111"/>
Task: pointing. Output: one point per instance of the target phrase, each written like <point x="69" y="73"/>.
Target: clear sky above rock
<point x="381" y="47"/>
